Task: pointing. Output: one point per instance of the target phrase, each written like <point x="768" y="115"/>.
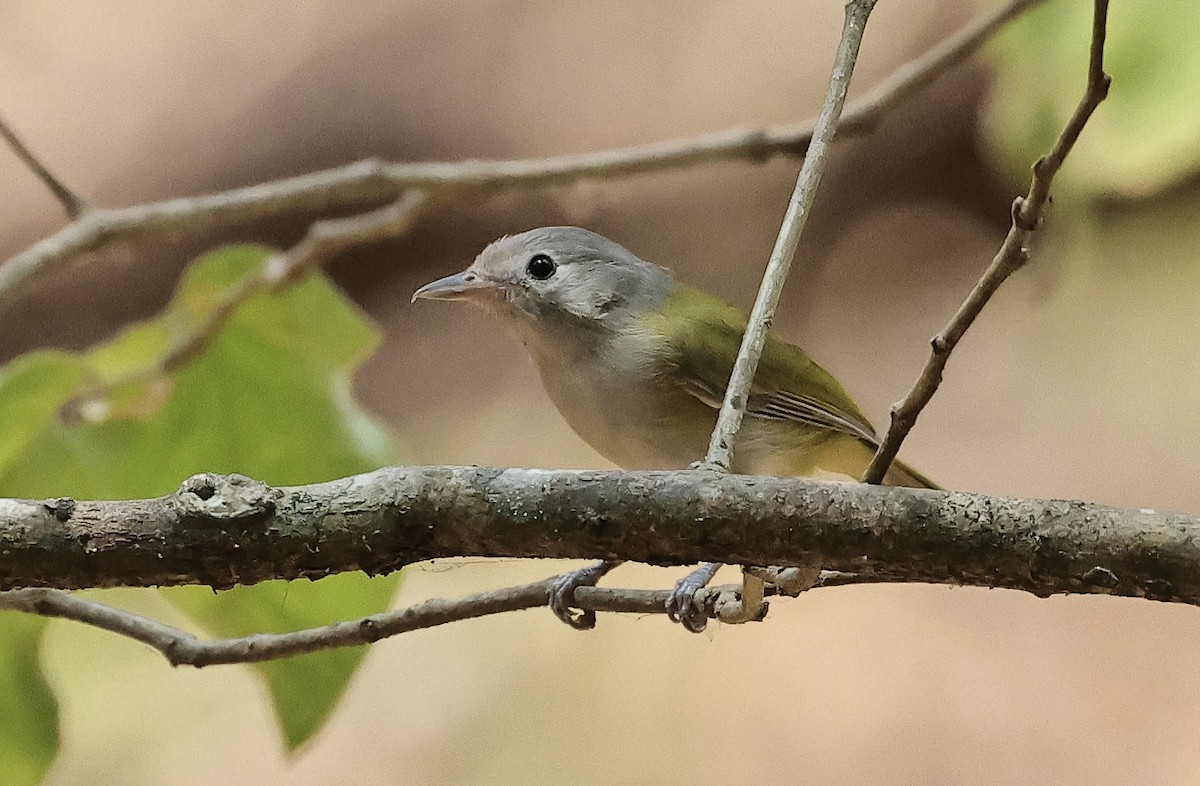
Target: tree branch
<point x="371" y="181"/>
<point x="224" y="530"/>
<point x="182" y="648"/>
<point x="1013" y="254"/>
<point x="71" y="202"/>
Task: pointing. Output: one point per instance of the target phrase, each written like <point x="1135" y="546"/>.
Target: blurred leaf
<point x="31" y="390"/>
<point x="270" y="398"/>
<point x="28" y="711"/>
<point x="1144" y="138"/>
<point x="305" y="686"/>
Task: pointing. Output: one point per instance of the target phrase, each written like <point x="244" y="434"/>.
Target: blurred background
<point x="1079" y="381"/>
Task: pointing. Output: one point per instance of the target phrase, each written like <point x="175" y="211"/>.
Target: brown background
<point x="1078" y="382"/>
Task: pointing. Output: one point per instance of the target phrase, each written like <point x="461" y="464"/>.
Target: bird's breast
<point x="616" y="398"/>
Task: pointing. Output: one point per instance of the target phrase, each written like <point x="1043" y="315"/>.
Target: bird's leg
<point x="680" y="607"/>
<point x="562" y="593"/>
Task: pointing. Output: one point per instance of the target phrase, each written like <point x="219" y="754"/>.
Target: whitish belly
<point x="631" y="426"/>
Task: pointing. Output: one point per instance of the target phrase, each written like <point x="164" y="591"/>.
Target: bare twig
<point x="181" y="648"/>
<point x="332" y="236"/>
<point x="1013" y="254"/>
<point x="71" y="202"/>
<point x="733" y="408"/>
<point x="372" y="181"/>
<point x="327" y="238"/>
<point x="918" y="73"/>
<point x="1029" y="212"/>
<point x="323" y="241"/>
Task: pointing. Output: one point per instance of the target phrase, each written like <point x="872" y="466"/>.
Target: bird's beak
<point x="460" y="286"/>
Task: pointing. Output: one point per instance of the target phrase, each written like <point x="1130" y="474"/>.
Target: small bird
<point x="637" y="363"/>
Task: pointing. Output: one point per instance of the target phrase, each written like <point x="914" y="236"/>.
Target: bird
<point x="637" y="362"/>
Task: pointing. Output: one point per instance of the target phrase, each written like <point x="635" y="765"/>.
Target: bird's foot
<point x="681" y="603"/>
<point x="562" y="593"/>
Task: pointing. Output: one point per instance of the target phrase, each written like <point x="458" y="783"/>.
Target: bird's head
<point x="563" y="279"/>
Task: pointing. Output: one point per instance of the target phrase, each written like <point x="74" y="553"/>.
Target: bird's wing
<point x="704" y="335"/>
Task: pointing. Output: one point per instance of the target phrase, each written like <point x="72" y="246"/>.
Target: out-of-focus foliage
<point x="1146" y="135"/>
<point x="304" y="687"/>
<point x="269" y="397"/>
<point x="28" y="711"/>
<point x="31" y="390"/>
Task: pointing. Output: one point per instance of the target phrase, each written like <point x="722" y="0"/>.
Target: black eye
<point x="541" y="267"/>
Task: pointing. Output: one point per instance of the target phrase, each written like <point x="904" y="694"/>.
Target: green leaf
<point x="270" y="398"/>
<point x="304" y="686"/>
<point x="28" y="711"/>
<point x="1144" y="138"/>
<point x="32" y="388"/>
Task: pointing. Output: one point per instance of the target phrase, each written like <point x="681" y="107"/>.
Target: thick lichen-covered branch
<point x="225" y="530"/>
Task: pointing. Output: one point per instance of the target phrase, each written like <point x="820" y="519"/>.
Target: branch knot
<point x="226" y="497"/>
<point x="1024" y="214"/>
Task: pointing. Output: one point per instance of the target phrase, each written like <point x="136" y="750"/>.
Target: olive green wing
<point x="704" y="334"/>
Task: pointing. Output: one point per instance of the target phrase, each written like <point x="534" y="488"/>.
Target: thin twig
<point x="71" y="202"/>
<point x="330" y="237"/>
<point x="181" y="648"/>
<point x="921" y="71"/>
<point x="324" y="240"/>
<point x="372" y="181"/>
<point x="733" y="408"/>
<point x="1013" y="254"/>
<point x="720" y="448"/>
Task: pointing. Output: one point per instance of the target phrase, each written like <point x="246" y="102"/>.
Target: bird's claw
<point x="681" y="603"/>
<point x="682" y="606"/>
<point x="562" y="595"/>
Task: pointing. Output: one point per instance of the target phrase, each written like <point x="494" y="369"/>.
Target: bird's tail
<point x="851" y="457"/>
<point x="900" y="474"/>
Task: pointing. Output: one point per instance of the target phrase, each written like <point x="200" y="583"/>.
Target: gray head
<point x="562" y="277"/>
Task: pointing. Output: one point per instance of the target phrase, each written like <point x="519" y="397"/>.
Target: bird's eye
<point x="541" y="267"/>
